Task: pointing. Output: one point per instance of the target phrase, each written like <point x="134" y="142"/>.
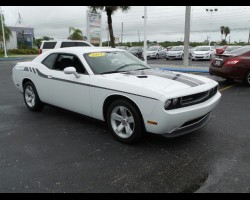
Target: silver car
<point x="155" y="52"/>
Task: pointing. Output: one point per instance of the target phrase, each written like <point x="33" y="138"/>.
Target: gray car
<point x="156" y="52"/>
<point x="137" y="51"/>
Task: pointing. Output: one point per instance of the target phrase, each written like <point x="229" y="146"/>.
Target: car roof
<point x="64" y="41"/>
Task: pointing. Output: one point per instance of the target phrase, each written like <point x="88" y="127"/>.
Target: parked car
<point x="176" y="52"/>
<point x="234" y="65"/>
<point x="231" y="48"/>
<point x="220" y="49"/>
<point x="55" y="44"/>
<point x="114" y="86"/>
<point x="203" y="53"/>
<point x="123" y="47"/>
<point x="136" y="50"/>
<point x="155" y="52"/>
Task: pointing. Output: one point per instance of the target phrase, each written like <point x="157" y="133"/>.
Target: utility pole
<point x="211" y="11"/>
<point x="4" y="42"/>
<point x="122" y="34"/>
<point x="145" y="34"/>
<point x="187" y="35"/>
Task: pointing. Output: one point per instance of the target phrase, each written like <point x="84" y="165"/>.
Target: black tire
<point x="182" y="57"/>
<point x="167" y="58"/>
<point x="38" y="105"/>
<point x="247" y="78"/>
<point x="210" y="57"/>
<point x="138" y="128"/>
<point x="157" y="56"/>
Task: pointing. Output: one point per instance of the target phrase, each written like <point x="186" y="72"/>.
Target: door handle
<point x="50" y="76"/>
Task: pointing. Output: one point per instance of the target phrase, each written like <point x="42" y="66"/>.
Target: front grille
<point x="198" y="98"/>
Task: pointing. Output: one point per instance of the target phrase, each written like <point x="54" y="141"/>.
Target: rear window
<point x="49" y="45"/>
<point x="74" y="44"/>
<point x="240" y="51"/>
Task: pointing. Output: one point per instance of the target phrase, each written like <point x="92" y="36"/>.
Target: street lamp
<point x="211" y="11"/>
<point x="4" y="44"/>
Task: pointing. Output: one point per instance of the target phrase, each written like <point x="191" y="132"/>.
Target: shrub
<point x="23" y="51"/>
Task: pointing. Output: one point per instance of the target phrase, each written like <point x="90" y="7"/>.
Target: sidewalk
<point x="180" y="68"/>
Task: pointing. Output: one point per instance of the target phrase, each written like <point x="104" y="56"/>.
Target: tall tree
<point x="222" y="28"/>
<point x="226" y="31"/>
<point x="7" y="31"/>
<point x="76" y="34"/>
<point x="110" y="11"/>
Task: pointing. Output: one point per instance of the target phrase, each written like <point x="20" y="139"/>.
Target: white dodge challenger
<point x="114" y="86"/>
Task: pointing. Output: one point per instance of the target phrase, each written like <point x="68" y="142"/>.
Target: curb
<point x="185" y="70"/>
<point x="9" y="59"/>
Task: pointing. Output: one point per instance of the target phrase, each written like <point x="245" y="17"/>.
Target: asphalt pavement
<point x="59" y="151"/>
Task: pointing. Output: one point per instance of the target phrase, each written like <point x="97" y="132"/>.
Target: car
<point x="234" y="65"/>
<point x="55" y="44"/>
<point x="136" y="50"/>
<point x="122" y="47"/>
<point x="203" y="53"/>
<point x="114" y="86"/>
<point x="231" y="48"/>
<point x="176" y="52"/>
<point x="220" y="49"/>
<point x="155" y="52"/>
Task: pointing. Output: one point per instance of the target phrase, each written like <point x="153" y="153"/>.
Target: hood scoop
<point x="142" y="76"/>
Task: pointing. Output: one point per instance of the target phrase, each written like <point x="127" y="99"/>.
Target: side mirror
<point x="71" y="70"/>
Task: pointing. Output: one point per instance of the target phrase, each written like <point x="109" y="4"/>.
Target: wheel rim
<point x="30" y="96"/>
<point x="122" y="122"/>
<point x="248" y="78"/>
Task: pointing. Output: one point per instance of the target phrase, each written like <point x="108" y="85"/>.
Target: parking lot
<point x="59" y="151"/>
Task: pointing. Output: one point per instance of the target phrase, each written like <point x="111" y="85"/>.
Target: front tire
<point x="157" y="56"/>
<point x="124" y="121"/>
<point x="247" y="78"/>
<point x="31" y="97"/>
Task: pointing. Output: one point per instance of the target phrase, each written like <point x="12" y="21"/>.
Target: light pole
<point x="145" y="34"/>
<point x="211" y="11"/>
<point x="4" y="44"/>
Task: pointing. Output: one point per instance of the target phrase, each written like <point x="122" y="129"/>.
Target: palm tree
<point x="109" y="11"/>
<point x="222" y="28"/>
<point x="76" y="35"/>
<point x="226" y="31"/>
<point x="7" y="31"/>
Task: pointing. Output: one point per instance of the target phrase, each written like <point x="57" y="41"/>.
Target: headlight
<point x="206" y="54"/>
<point x="171" y="103"/>
<point x="179" y="53"/>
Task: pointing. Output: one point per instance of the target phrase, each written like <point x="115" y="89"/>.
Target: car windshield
<point x="113" y="61"/>
<point x="152" y="48"/>
<point x="134" y="48"/>
<point x="203" y="49"/>
<point x="176" y="49"/>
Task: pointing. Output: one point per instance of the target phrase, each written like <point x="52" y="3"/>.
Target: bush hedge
<point x="20" y="51"/>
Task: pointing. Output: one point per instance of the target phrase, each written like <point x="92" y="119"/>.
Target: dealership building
<point x="22" y="35"/>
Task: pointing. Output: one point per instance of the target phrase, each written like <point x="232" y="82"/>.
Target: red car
<point x="220" y="50"/>
<point x="234" y="65"/>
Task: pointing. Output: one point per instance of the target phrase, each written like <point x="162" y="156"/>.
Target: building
<point x="22" y="35"/>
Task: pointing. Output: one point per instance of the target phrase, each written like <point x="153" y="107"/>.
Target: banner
<point x="94" y="27"/>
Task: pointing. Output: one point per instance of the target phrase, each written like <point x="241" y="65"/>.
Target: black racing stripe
<point x="94" y="86"/>
<point x="171" y="76"/>
<point x="34" y="70"/>
<point x="26" y="69"/>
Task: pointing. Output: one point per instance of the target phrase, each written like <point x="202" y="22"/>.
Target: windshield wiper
<point x="111" y="72"/>
<point x="129" y="65"/>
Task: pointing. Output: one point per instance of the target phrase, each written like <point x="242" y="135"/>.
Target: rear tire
<point x="124" y="121"/>
<point x="247" y="78"/>
<point x="31" y="97"/>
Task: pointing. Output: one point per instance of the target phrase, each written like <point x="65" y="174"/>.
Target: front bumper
<point x="201" y="57"/>
<point x="172" y="123"/>
<point x="174" y="56"/>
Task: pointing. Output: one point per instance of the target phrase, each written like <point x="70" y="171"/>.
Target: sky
<point x="165" y="23"/>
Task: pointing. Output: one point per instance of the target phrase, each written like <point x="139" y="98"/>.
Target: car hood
<point x="154" y="82"/>
<point x="174" y="52"/>
<point x="201" y="52"/>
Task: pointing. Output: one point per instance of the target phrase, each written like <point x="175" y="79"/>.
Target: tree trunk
<point x="112" y="39"/>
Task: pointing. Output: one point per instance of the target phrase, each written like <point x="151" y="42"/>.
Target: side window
<point x="82" y="44"/>
<point x="50" y="60"/>
<point x="69" y="60"/>
<point x="49" y="45"/>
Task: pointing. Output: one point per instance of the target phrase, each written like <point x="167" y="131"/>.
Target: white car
<point x="114" y="86"/>
<point x="203" y="53"/>
<point x="155" y="52"/>
<point x="176" y="52"/>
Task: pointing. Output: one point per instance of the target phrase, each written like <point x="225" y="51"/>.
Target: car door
<point x="161" y="52"/>
<point x="65" y="90"/>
